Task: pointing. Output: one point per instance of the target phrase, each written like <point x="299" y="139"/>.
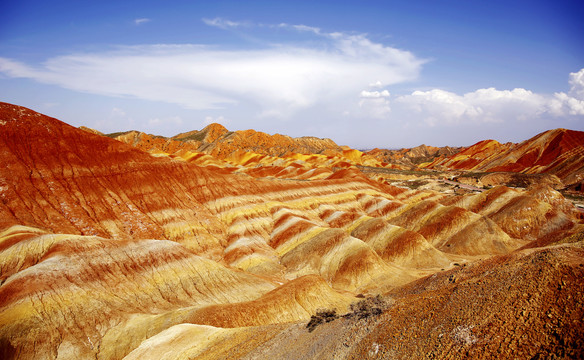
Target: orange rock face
<point x="112" y="251"/>
<point x="558" y="152"/>
<point x="216" y="140"/>
<point x="255" y="153"/>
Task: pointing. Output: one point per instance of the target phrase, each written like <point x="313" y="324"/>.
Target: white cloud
<point x="306" y="28"/>
<point x="225" y="24"/>
<point x="375" y="104"/>
<point x="301" y="28"/>
<point x="376" y="84"/>
<point x="332" y="76"/>
<point x="278" y="79"/>
<point x="577" y="85"/>
<point x="374" y="94"/>
<point x="438" y="106"/>
<point x="141" y="21"/>
<point x="571" y="103"/>
<point x="375" y="107"/>
<point x="562" y="104"/>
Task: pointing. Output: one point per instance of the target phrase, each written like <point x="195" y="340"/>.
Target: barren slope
<point x="527" y="305"/>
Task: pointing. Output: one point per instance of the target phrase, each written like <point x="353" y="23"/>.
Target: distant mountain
<point x="260" y="154"/>
<point x="413" y="156"/>
<point x="217" y="141"/>
<point x="557" y="152"/>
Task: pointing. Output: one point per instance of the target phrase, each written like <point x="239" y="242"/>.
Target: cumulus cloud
<point x="141" y="21"/>
<point x="374" y="94"/>
<point x="571" y="103"/>
<point x="577" y="85"/>
<point x="279" y="79"/>
<point x="563" y="104"/>
<point x="438" y="106"/>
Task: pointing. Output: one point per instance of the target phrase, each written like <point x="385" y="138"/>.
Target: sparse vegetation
<point x="322" y="316"/>
<point x="199" y="136"/>
<point x="362" y="309"/>
<point x="415" y="184"/>
<point x="116" y="134"/>
<point x="367" y="307"/>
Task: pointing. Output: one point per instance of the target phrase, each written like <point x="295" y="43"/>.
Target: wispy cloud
<point x="226" y="24"/>
<point x="141" y="21"/>
<point x="279" y="79"/>
<point x="302" y="28"/>
<point x="347" y="75"/>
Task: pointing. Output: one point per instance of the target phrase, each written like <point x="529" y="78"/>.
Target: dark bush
<point x="367" y="307"/>
<point x="325" y="315"/>
<point x="361" y="309"/>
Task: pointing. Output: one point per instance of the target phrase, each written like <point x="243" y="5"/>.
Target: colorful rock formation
<point x="111" y="252"/>
<point x="557" y="152"/>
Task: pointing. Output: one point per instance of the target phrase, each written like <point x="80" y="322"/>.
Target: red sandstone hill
<point x="557" y="152"/>
<point x="109" y="252"/>
<point x="255" y="153"/>
<point x="219" y="142"/>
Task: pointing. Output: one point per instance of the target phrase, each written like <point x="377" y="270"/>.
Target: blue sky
<point x="366" y="74"/>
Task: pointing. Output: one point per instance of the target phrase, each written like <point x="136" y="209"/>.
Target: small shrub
<point x="367" y="307"/>
<point x="323" y="315"/>
<point x="199" y="136"/>
<point x="362" y="309"/>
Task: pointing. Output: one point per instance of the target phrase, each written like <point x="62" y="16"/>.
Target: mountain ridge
<point x="558" y="152"/>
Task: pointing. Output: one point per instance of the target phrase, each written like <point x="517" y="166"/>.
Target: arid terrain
<point x="218" y="244"/>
